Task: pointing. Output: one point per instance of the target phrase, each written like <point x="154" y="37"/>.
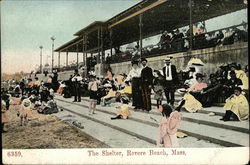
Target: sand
<point x="44" y="132"/>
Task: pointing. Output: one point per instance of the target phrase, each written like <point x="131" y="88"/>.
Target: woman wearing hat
<point x="135" y="76"/>
<point x="240" y="74"/>
<point x="193" y="95"/>
<point x="237" y="106"/>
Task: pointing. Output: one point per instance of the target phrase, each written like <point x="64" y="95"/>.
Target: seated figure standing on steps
<point x="236" y="106"/>
<point x="166" y="134"/>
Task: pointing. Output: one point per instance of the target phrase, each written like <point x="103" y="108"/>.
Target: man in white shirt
<point x="171" y="77"/>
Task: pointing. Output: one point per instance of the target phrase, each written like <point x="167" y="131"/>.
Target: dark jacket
<point x="147" y="75"/>
<point x="174" y="73"/>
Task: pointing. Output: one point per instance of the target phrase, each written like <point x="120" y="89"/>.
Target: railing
<point x="225" y="36"/>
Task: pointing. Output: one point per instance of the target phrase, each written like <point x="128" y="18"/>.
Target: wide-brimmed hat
<point x="199" y="75"/>
<point x="134" y="62"/>
<point x="212" y="76"/>
<point x="144" y="59"/>
<point x="168" y="59"/>
<point x="234" y="65"/>
<point x="196" y="61"/>
<point x="92" y="76"/>
<point x="165" y="32"/>
<point x="26" y="102"/>
<point x="238" y="89"/>
<point x="107" y="85"/>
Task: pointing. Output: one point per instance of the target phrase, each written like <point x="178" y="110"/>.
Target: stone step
<point x="207" y="110"/>
<point x="203" y="118"/>
<point x="218" y="111"/>
<point x="122" y="133"/>
<point x="111" y="137"/>
<point x="193" y="129"/>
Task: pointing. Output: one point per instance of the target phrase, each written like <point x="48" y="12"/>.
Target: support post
<point x="77" y="55"/>
<point x="59" y="60"/>
<point x="67" y="58"/>
<point x="190" y="26"/>
<point x="98" y="45"/>
<point x="111" y="44"/>
<point x="102" y="50"/>
<point x="41" y="54"/>
<point x="140" y="26"/>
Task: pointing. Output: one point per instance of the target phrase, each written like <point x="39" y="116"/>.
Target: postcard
<point x="124" y="82"/>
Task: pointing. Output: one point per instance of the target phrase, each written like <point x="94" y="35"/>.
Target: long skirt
<point x="136" y="93"/>
<point x="146" y="96"/>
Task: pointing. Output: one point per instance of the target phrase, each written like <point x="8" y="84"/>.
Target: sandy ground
<point x="44" y="132"/>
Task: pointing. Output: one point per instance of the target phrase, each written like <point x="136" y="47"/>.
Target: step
<point x="112" y="139"/>
<point x="204" y="118"/>
<point x="126" y="126"/>
<point x="193" y="131"/>
<point x="207" y="110"/>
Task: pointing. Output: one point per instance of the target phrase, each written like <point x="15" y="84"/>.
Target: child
<point x="236" y="105"/>
<point x="25" y="111"/>
<point x="4" y="117"/>
<point x="158" y="89"/>
<point x="123" y="111"/>
<point x="49" y="108"/>
<point x="166" y="135"/>
<point x="92" y="87"/>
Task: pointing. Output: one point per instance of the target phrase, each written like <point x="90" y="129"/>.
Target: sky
<point x="28" y="24"/>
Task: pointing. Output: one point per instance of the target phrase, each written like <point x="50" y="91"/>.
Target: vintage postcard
<point x="124" y="82"/>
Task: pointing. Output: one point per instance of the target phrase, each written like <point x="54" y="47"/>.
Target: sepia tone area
<point x="45" y="132"/>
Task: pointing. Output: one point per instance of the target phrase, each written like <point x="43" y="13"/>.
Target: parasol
<point x="196" y="61"/>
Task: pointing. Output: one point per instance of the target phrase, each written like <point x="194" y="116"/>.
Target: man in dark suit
<point x="147" y="82"/>
<point x="171" y="79"/>
<point x="76" y="79"/>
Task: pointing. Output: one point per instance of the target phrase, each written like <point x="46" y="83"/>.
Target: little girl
<point x="123" y="112"/>
<point x="92" y="87"/>
<point x="25" y="111"/>
<point x="166" y="135"/>
<point x="4" y="116"/>
<point x="158" y="89"/>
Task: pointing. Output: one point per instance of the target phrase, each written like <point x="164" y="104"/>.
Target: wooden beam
<point x="70" y="45"/>
<point x="138" y="12"/>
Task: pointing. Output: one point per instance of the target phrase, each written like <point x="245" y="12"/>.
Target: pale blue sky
<point x="27" y="24"/>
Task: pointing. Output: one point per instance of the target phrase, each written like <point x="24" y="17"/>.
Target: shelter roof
<point x="68" y="46"/>
<point x="157" y="16"/>
<point x="89" y="28"/>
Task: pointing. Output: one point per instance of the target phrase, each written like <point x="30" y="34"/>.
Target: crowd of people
<point x="228" y="85"/>
<point x="178" y="40"/>
<point x="197" y="89"/>
<point x="29" y="94"/>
